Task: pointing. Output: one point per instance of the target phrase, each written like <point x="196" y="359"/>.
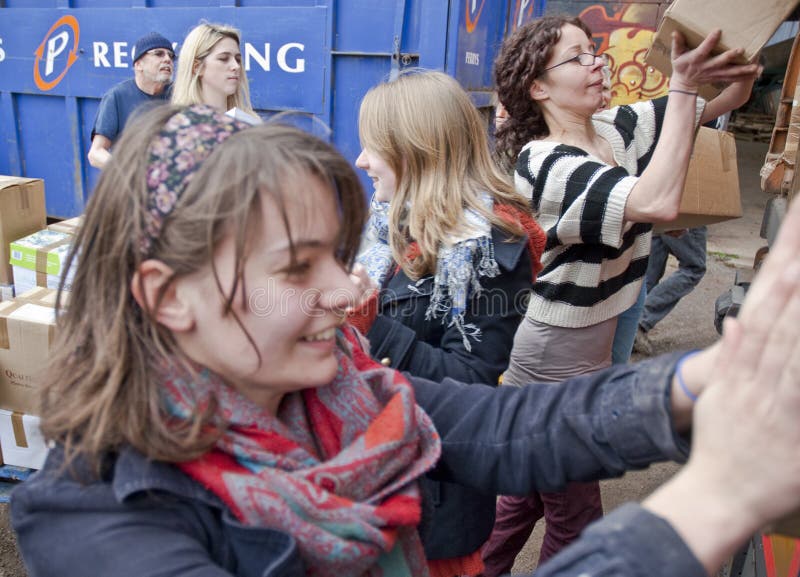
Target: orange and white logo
<point x="474" y="9"/>
<point x="62" y="36"/>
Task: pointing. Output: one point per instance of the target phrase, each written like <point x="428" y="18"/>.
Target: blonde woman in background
<point x="210" y="69"/>
<point x="454" y="251"/>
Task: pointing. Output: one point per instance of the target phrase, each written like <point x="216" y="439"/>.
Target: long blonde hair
<point x="102" y="390"/>
<point x="425" y="127"/>
<point x="196" y="47"/>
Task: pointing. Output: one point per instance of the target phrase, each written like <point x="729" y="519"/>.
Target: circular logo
<point x="62" y="37"/>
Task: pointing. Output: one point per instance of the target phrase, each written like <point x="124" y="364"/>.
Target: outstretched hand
<point x="753" y="399"/>
<point x="694" y="67"/>
<point x="744" y="469"/>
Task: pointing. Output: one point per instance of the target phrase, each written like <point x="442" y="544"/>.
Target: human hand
<point x="744" y="469"/>
<point x="365" y="287"/>
<point x="694" y="67"/>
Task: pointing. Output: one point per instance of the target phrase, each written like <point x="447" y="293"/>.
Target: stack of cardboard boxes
<point x="33" y="264"/>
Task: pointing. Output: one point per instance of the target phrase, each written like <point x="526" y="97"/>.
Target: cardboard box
<point x="744" y="23"/>
<point x="26" y="332"/>
<point x="41" y="296"/>
<point x="6" y="292"/>
<point x="711" y="192"/>
<point x="22" y="212"/>
<point x="40" y="259"/>
<point x="69" y="226"/>
<point x="21" y="439"/>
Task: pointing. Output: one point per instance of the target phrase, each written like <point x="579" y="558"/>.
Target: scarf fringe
<point x="459" y="266"/>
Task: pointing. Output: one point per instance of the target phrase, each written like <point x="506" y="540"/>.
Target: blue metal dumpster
<point x="315" y="57"/>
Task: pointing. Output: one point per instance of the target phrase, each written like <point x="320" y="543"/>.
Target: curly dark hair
<point x="522" y="59"/>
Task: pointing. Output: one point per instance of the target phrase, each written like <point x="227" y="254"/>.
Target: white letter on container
<point x="300" y="65"/>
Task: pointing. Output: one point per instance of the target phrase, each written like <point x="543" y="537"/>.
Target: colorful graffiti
<point x="625" y="37"/>
<point x="623" y="30"/>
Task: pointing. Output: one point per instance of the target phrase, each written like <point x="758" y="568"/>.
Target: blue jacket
<point x="146" y="519"/>
<point x="462" y="518"/>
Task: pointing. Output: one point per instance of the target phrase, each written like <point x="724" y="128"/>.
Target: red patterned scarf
<point x="337" y="468"/>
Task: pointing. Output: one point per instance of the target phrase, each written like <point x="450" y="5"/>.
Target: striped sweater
<point x="594" y="261"/>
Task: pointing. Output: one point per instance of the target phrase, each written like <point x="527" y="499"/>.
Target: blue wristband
<point x="679" y="377"/>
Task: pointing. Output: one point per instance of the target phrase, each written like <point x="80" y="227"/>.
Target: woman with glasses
<point x="596" y="181"/>
<point x="210" y="70"/>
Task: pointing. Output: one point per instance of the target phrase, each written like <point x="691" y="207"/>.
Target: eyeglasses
<point x="584" y="59"/>
<point x="160" y="53"/>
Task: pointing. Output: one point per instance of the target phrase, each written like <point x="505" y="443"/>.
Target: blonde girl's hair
<point x="426" y="128"/>
<point x="102" y="390"/>
<point x="198" y="44"/>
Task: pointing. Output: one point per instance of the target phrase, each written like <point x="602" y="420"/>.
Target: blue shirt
<point x="117" y="106"/>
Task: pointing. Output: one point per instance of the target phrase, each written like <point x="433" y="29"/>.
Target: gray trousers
<point x="690" y="250"/>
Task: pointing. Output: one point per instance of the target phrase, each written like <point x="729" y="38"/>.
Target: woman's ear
<point x="537" y="91"/>
<point x="197" y="66"/>
<point x="148" y="283"/>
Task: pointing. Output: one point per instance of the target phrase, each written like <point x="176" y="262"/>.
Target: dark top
<point x="146" y="518"/>
<point x="462" y="518"/>
<point x="117" y="106"/>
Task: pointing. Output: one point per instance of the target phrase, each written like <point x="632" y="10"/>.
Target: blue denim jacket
<point x="145" y="518"/>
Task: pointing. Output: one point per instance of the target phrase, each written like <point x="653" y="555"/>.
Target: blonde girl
<point x="454" y="250"/>
<point x="210" y="69"/>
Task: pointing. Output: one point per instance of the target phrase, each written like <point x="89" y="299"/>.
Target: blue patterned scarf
<point x="460" y="265"/>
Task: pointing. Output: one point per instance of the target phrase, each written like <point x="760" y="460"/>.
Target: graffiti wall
<point x="624" y="31"/>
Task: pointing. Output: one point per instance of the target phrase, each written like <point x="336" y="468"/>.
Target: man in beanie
<point x="153" y="59"/>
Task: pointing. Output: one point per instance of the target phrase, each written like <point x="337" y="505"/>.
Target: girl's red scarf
<point x="337" y="468"/>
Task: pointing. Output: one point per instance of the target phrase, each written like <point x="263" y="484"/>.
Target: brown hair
<point x="426" y="128"/>
<point x="521" y="60"/>
<point x="102" y="389"/>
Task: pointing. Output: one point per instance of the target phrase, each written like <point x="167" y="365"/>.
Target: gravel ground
<point x="691" y="325"/>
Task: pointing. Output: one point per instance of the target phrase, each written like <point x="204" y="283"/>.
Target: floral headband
<point x="175" y="155"/>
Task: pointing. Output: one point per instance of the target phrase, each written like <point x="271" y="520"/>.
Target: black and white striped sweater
<point x="594" y="261"/>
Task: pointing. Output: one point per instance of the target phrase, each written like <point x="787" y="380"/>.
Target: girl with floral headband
<point x="454" y="250"/>
<point x="210" y="414"/>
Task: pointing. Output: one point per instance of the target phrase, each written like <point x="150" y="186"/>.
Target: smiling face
<point x="220" y="72"/>
<point x="383" y="177"/>
<point x="290" y="307"/>
<point x="571" y="86"/>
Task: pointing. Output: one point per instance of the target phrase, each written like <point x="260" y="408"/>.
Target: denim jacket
<point x="145" y="518"/>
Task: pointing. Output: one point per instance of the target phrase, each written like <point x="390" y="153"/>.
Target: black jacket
<point x="148" y="519"/>
<point x="403" y="338"/>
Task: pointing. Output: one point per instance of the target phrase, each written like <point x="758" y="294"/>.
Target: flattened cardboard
<point x="744" y="23"/>
<point x="711" y="192"/>
<point x="41" y="296"/>
<point x="22" y="212"/>
<point x="69" y="226"/>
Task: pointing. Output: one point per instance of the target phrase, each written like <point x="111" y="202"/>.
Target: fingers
<point x="678" y="44"/>
<point x="708" y="43"/>
<point x="780" y="348"/>
<point x="784" y="252"/>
